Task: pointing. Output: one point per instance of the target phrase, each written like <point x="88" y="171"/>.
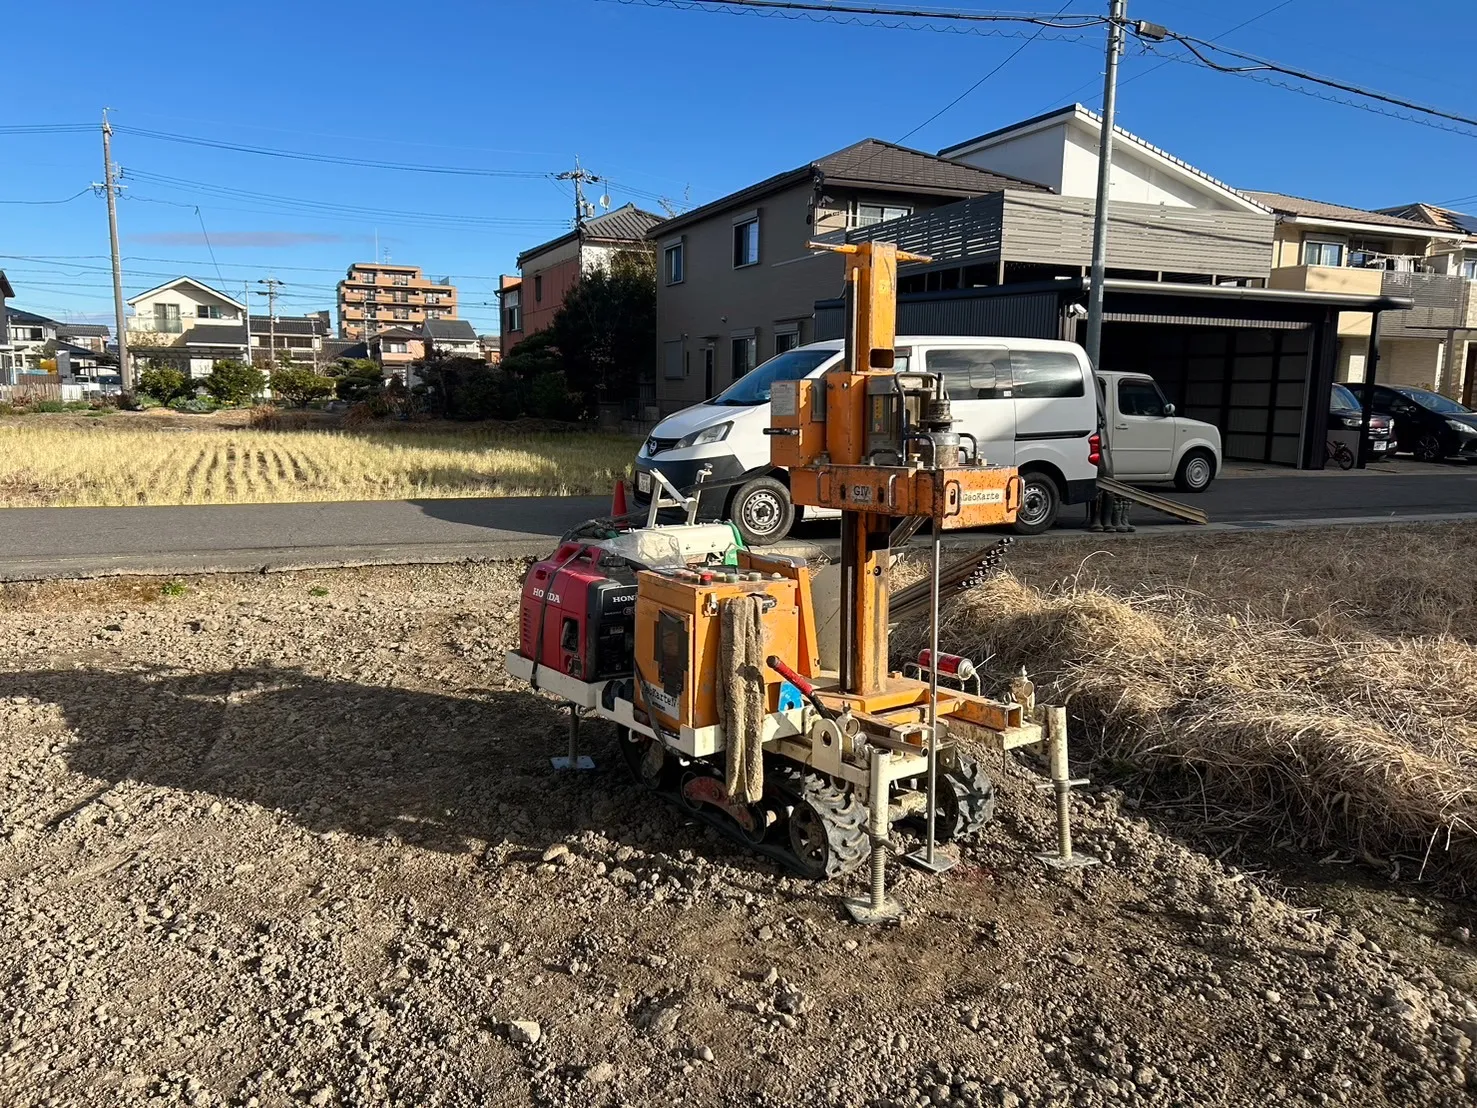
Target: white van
<point x="1028" y="402"/>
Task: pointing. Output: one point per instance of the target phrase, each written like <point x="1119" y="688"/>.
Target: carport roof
<point x="1344" y="302"/>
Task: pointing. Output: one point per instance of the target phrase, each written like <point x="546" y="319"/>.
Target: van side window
<point x="973" y="372"/>
<point x="1139" y="398"/>
<point x="1045" y="374"/>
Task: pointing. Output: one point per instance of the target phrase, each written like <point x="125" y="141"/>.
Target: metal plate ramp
<point x="1153" y="500"/>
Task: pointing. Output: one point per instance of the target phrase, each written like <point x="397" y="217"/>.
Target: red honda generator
<point x="578" y="613"/>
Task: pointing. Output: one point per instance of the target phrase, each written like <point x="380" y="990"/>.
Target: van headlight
<point x="716" y="433"/>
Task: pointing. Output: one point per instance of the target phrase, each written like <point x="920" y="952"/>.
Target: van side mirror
<point x="1169" y="410"/>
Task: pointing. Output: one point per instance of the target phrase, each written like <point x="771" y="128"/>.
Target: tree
<point x="533" y="357"/>
<point x="233" y="382"/>
<point x="357" y="379"/>
<point x="298" y="386"/>
<point x="163" y="383"/>
<point x="606" y="330"/>
<point x="469" y="388"/>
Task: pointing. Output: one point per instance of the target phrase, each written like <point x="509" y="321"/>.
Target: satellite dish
<point x="605" y="201"/>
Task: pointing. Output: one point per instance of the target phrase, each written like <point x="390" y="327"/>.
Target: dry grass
<point x="45" y="465"/>
<point x="1317" y="688"/>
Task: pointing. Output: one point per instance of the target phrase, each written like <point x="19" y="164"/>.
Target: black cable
<point x="68" y="200"/>
<point x="959" y="23"/>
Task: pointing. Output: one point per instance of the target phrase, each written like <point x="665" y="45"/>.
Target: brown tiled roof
<point x="627" y="223"/>
<point x="870" y="163"/>
<point x="1317" y="209"/>
<point x="1458" y="223"/>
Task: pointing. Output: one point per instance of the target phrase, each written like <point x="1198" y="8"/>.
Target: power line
<point x="946" y="21"/>
<point x="1258" y="65"/>
<point x="328" y="159"/>
<point x="1009" y="58"/>
<point x="1154" y="69"/>
<point x="68" y="200"/>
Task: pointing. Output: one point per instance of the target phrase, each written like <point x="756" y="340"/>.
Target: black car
<point x="1427" y="424"/>
<point x="1346" y="417"/>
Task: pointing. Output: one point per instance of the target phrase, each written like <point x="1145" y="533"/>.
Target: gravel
<point x="295" y="839"/>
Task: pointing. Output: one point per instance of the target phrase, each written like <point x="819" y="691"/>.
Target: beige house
<point x="373" y="295"/>
<point x="187" y="324"/>
<point x="397" y="350"/>
<point x="737" y="285"/>
<point x="1321" y="247"/>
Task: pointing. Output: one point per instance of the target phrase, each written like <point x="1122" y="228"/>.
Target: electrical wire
<point x="68" y="200"/>
<point x="1097" y="82"/>
<point x="1258" y="65"/>
<point x="1009" y="58"/>
<point x="946" y="21"/>
<point x="210" y="249"/>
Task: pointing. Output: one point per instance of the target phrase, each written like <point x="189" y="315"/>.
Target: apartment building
<point x="377" y="295"/>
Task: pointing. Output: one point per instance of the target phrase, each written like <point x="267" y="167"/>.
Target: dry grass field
<point x="1313" y="689"/>
<point x="62" y="462"/>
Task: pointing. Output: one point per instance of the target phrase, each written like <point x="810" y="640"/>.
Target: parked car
<point x="1427" y="424"/>
<point x="1028" y="402"/>
<point x="1346" y="417"/>
<point x="1150" y="442"/>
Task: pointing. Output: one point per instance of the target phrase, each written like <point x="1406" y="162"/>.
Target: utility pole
<point x="110" y="188"/>
<point x="1104" y="179"/>
<point x="579" y="176"/>
<point x="271" y="294"/>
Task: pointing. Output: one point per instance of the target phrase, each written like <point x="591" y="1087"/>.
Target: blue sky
<point x="666" y="103"/>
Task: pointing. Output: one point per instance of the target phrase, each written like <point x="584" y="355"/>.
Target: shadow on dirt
<point x="447" y="773"/>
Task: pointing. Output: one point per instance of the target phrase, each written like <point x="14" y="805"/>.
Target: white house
<point x="1060" y="150"/>
<point x="28" y="334"/>
<point x="187" y="324"/>
<point x="452" y="336"/>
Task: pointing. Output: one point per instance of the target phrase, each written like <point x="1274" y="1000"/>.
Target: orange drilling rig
<point x="720" y="697"/>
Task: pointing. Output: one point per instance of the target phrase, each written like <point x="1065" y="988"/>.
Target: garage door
<point x="1248" y="381"/>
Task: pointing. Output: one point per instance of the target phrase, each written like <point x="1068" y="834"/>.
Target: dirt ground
<point x="294" y="840"/>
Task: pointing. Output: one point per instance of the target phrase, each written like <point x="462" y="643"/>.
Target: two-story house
<point x="298" y="338"/>
<point x="91" y="336"/>
<point x="29" y="335"/>
<point x="548" y="271"/>
<point x="735" y="281"/>
<point x="187" y="324"/>
<point x="455" y="338"/>
<point x="1321" y="247"/>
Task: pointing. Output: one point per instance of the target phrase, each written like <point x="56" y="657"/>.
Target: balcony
<point x="1038" y="229"/>
<point x="1442" y="302"/>
<point x="1339" y="279"/>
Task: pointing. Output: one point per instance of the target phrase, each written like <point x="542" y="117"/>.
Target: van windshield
<point x="753" y="387"/>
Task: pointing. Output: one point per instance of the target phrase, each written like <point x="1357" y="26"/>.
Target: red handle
<point x="777" y="664"/>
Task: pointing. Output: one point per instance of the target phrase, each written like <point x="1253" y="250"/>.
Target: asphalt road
<point x="51" y="542"/>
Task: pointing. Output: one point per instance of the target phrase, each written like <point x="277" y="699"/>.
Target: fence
<point x="34" y="392"/>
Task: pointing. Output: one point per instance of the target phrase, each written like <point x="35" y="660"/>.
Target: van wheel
<point x="1040" y="501"/>
<point x="762" y="511"/>
<point x="1196" y="472"/>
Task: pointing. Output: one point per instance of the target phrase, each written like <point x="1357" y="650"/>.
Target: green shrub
<point x="197" y="405"/>
<point x="49" y="406"/>
<point x="232" y="382"/>
<point x="549" y="397"/>
<point x="298" y="386"/>
<point x="163" y="383"/>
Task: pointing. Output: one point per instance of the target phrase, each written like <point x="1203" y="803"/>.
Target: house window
<point x="745" y="350"/>
<point x="785" y="340"/>
<point x="166" y="319"/>
<point x="401" y="279"/>
<point x="1323" y="253"/>
<point x="674" y="263"/>
<point x="208" y="311"/>
<point x="868" y="214"/>
<point x="366" y="278"/>
<point x="746" y="243"/>
<point x="434" y="314"/>
<point x="515" y="318"/>
<point x="1469" y="270"/>
<point x="538" y="288"/>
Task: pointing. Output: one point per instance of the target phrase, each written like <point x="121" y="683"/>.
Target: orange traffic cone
<point x="618" y="501"/>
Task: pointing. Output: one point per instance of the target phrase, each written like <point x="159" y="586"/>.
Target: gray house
<point x="735" y="282"/>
